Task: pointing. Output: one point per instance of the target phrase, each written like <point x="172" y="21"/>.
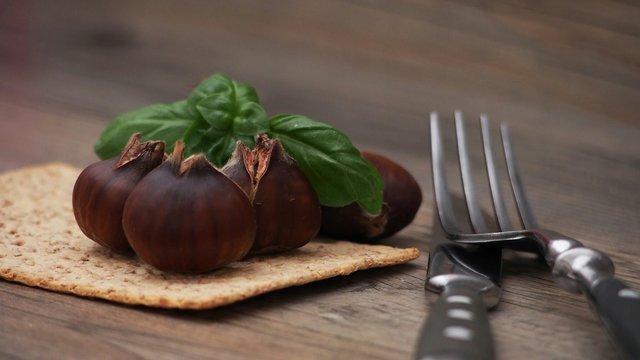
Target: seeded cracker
<point x="41" y="245"/>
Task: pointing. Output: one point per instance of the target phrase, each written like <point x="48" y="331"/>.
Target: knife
<point x="468" y="279"/>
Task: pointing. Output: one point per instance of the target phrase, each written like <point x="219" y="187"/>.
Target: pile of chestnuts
<point x="186" y="215"/>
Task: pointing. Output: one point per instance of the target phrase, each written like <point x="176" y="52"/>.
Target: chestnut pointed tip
<point x="240" y="168"/>
<point x="130" y="151"/>
<point x="178" y="150"/>
<point x="260" y="138"/>
<point x="175" y="158"/>
<point x="242" y="153"/>
<point x="149" y="152"/>
<point x="157" y="147"/>
<point x="263" y="141"/>
<point x="135" y="138"/>
<point x="194" y="162"/>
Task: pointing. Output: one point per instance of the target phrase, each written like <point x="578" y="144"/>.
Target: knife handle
<point x="618" y="306"/>
<point x="457" y="326"/>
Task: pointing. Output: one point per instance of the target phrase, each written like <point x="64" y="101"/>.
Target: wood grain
<point x="564" y="75"/>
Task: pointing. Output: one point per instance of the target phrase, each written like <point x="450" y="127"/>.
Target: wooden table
<point x="565" y="75"/>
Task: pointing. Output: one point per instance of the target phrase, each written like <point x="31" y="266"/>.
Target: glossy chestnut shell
<point x="187" y="216"/>
<point x="402" y="198"/>
<point x="102" y="188"/>
<point x="286" y="205"/>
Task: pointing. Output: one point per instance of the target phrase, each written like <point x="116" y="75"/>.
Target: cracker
<point x="41" y="245"/>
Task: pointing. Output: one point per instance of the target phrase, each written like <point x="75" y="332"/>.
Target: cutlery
<point x="574" y="267"/>
<point x="467" y="277"/>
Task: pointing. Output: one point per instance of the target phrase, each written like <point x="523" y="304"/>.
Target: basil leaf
<point x="166" y="122"/>
<point x="335" y="168"/>
<point x="228" y="112"/>
<point x="220" y="84"/>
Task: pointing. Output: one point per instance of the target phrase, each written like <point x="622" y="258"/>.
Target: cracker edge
<point x="404" y="255"/>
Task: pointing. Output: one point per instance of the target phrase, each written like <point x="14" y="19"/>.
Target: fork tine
<point x="473" y="208"/>
<point x="524" y="209"/>
<point x="444" y="203"/>
<point x="499" y="207"/>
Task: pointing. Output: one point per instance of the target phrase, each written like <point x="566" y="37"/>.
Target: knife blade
<point x="468" y="279"/>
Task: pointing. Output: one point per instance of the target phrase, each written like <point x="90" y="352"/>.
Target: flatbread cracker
<point x="41" y="245"/>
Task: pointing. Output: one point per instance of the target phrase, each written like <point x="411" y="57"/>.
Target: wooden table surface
<point x="565" y="75"/>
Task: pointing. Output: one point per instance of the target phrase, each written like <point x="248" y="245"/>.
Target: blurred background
<point x="361" y="64"/>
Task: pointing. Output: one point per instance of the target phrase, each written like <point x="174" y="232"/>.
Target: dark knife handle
<point x="618" y="306"/>
<point x="457" y="327"/>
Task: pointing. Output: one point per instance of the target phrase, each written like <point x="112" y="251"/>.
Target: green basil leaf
<point x="166" y="122"/>
<point x="220" y="84"/>
<point x="229" y="111"/>
<point x="335" y="168"/>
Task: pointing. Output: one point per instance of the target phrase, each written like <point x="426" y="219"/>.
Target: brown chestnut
<point x="101" y="189"/>
<point x="287" y="207"/>
<point x="402" y="197"/>
<point x="187" y="216"/>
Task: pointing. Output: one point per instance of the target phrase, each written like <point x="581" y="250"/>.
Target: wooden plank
<point x="415" y="51"/>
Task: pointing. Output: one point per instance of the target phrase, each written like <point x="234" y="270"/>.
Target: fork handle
<point x="457" y="327"/>
<point x="618" y="306"/>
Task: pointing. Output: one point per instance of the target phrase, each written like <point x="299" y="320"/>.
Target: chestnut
<point x="101" y="189"/>
<point x="402" y="197"/>
<point x="187" y="216"/>
<point x="287" y="208"/>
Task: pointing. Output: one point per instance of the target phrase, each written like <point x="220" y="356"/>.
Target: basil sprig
<point x="166" y="122"/>
<point x="221" y="111"/>
<point x="227" y="111"/>
<point x="217" y="113"/>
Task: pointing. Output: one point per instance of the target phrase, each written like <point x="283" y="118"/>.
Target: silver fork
<point x="574" y="267"/>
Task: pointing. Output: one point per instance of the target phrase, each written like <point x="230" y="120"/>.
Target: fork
<point x="574" y="267"/>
